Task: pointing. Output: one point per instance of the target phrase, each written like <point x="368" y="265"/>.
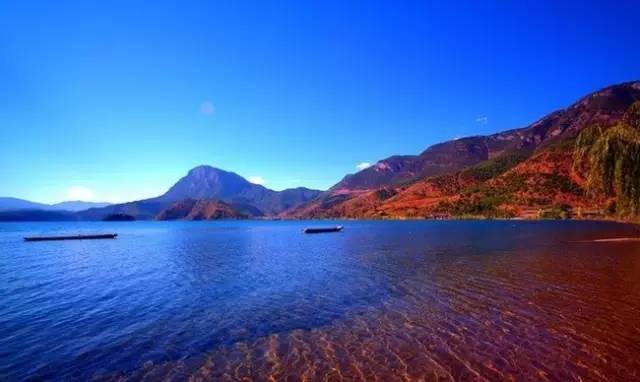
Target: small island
<point x="119" y="217"/>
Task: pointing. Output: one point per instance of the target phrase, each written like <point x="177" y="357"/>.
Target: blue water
<point x="164" y="292"/>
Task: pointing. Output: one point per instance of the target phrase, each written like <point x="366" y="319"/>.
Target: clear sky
<point x="117" y="100"/>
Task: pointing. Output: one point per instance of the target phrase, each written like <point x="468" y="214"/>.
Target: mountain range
<point x="528" y="172"/>
<point x="205" y="190"/>
<point x="21" y="204"/>
<point x="535" y="171"/>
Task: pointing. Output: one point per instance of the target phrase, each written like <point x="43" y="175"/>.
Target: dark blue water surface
<point x="247" y="298"/>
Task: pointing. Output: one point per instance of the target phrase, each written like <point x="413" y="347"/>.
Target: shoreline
<point x="603" y="220"/>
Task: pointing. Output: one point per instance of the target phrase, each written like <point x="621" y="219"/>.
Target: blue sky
<point x="117" y="100"/>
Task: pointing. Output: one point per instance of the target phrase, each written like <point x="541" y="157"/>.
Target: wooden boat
<point x="323" y="229"/>
<point x="76" y="237"/>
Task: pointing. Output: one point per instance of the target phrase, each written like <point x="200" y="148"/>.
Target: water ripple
<point x="382" y="301"/>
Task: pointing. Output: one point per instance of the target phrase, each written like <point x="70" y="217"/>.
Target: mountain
<point x="439" y="159"/>
<point x="605" y="106"/>
<point x="582" y="161"/>
<point x="7" y="204"/>
<point x="210" y="184"/>
<point x="77" y="205"/>
<point x="141" y="210"/>
<point x="203" y="209"/>
<point x="20" y="204"/>
<point x="524" y="172"/>
<point x="206" y="182"/>
<point x="36" y="215"/>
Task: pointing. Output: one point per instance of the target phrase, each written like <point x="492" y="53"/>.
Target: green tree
<point x="612" y="158"/>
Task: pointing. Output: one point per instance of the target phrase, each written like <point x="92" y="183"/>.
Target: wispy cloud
<point x="363" y="165"/>
<point x="80" y="193"/>
<point x="256" y="180"/>
<point x="207" y="108"/>
<point x="483" y="120"/>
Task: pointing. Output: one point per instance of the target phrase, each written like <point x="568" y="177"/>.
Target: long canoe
<point x="75" y="237"/>
<point x="323" y="229"/>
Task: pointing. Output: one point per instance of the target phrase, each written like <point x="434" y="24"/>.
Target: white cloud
<point x="207" y="108"/>
<point x="80" y="193"/>
<point x="256" y="180"/>
<point x="363" y="165"/>
<point x="482" y="120"/>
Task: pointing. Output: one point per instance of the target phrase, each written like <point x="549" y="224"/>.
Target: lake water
<point x="404" y="300"/>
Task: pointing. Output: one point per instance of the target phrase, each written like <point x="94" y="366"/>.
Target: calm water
<point x="382" y="300"/>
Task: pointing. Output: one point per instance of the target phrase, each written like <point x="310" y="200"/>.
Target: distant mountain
<point x="525" y="172"/>
<point x="206" y="182"/>
<point x="210" y="184"/>
<point x="36" y="215"/>
<point x="7" y="204"/>
<point x="20" y="204"/>
<point x="77" y="205"/>
<point x="141" y="210"/>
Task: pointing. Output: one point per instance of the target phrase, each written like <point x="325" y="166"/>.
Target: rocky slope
<point x="140" y="210"/>
<point x="191" y="209"/>
<point x="527" y="172"/>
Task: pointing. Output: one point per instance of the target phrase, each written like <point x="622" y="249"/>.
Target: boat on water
<point x="74" y="237"/>
<point x="323" y="229"/>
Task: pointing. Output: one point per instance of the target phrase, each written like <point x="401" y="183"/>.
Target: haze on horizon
<point x="116" y="101"/>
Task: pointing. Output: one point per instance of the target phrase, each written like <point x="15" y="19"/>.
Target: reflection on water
<point x="382" y="300"/>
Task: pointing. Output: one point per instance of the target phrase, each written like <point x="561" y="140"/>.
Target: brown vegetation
<point x="581" y="162"/>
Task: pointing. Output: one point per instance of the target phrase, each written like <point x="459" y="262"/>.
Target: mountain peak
<point x="203" y="168"/>
<point x="206" y="182"/>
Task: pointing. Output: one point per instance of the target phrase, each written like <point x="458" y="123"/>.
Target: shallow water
<point x="382" y="300"/>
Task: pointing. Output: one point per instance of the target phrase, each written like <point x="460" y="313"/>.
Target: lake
<point x="396" y="300"/>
